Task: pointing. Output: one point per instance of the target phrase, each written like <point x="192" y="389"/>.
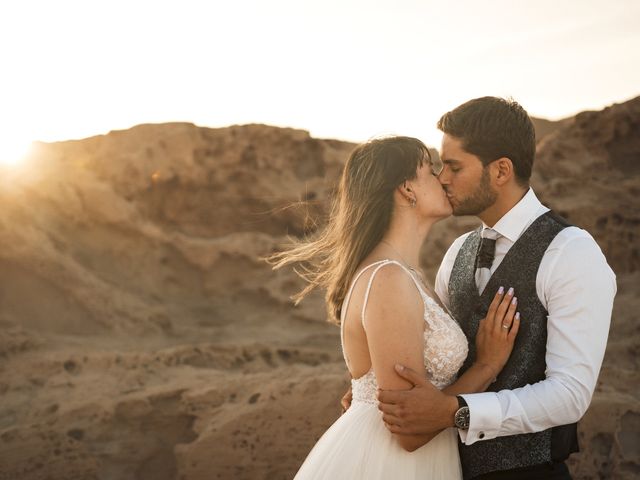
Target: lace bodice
<point x="445" y="345"/>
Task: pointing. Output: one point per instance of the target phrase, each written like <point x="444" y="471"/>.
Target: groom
<point x="525" y="425"/>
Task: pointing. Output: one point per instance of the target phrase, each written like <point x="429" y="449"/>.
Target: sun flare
<point x="13" y="152"/>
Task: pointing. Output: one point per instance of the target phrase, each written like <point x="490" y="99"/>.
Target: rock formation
<point x="142" y="336"/>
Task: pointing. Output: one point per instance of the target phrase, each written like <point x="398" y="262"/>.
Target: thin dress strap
<point x="345" y="303"/>
<point x="379" y="264"/>
<point x="366" y="295"/>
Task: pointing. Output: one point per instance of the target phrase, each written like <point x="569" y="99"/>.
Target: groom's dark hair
<point x="492" y="128"/>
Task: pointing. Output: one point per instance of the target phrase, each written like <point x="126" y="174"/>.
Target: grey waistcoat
<point x="526" y="364"/>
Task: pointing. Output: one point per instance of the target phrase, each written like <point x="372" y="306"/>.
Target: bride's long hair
<point x="360" y="216"/>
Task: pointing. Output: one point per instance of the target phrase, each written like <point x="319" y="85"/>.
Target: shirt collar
<point x="513" y="223"/>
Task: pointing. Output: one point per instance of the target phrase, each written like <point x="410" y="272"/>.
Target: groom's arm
<point x="577" y="287"/>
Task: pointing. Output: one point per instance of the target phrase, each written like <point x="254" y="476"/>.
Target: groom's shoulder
<point x="575" y="235"/>
<point x="575" y="253"/>
<point x="577" y="244"/>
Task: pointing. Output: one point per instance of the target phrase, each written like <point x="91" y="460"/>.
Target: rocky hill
<point x="142" y="336"/>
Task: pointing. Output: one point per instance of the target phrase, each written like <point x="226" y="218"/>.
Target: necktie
<point x="484" y="258"/>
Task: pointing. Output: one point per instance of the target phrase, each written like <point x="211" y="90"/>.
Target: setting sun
<point x="13" y="151"/>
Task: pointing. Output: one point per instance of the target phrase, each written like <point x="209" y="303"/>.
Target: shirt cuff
<point x="485" y="417"/>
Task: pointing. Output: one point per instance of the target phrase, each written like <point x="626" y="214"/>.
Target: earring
<point x="412" y="201"/>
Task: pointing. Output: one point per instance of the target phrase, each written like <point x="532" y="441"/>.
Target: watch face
<point x="461" y="418"/>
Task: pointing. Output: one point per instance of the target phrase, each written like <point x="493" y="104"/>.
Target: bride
<point x="367" y="260"/>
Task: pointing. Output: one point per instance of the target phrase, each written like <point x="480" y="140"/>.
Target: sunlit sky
<point x="340" y="69"/>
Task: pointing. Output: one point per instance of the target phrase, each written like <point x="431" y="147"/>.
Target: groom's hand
<point x="345" y="402"/>
<point x="422" y="410"/>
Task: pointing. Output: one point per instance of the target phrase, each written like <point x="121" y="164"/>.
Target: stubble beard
<point x="479" y="200"/>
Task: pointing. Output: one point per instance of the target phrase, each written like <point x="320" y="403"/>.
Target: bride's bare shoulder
<point x="392" y="289"/>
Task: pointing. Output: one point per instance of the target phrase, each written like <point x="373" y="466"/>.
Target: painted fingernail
<point x="514" y="301"/>
<point x="510" y="292"/>
<point x="517" y="317"/>
<point x="500" y="290"/>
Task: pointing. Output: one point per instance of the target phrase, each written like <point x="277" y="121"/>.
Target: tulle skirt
<point x="358" y="446"/>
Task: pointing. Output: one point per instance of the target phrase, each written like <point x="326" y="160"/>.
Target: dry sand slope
<point x="142" y="338"/>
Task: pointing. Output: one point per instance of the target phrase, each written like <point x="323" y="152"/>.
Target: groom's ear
<point x="503" y="170"/>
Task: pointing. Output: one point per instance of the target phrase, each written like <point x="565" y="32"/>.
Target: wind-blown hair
<point x="360" y="216"/>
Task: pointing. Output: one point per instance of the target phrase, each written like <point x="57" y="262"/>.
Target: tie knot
<point x="486" y="253"/>
<point x="490" y="233"/>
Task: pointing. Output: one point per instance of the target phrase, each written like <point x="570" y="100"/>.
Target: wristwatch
<point x="461" y="417"/>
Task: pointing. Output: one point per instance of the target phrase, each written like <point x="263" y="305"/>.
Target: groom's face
<point x="464" y="179"/>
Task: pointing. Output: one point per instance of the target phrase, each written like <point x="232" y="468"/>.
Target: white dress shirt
<point x="576" y="286"/>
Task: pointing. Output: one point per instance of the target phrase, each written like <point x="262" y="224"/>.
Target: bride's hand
<point x="497" y="331"/>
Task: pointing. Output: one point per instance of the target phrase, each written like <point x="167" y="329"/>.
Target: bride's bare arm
<point x="424" y="409"/>
<point x="394" y="325"/>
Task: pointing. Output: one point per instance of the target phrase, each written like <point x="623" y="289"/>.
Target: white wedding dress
<point x="359" y="446"/>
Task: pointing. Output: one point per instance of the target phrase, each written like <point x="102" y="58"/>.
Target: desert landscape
<point x="142" y="336"/>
